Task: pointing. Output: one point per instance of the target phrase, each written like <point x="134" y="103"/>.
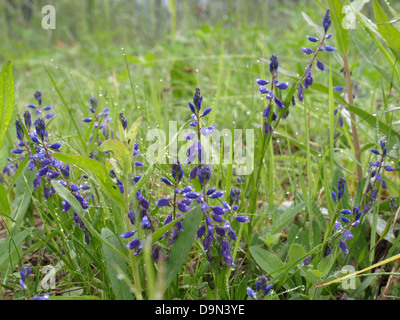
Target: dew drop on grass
<point x="120" y="276"/>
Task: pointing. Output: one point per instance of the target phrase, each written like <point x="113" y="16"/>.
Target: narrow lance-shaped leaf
<point x="133" y="130"/>
<point x="183" y="244"/>
<point x="114" y="262"/>
<point x="121" y="154"/>
<point x="6" y="100"/>
<point x="337" y="15"/>
<point x="388" y="31"/>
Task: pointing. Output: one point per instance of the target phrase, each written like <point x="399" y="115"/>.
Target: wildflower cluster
<point x="33" y="142"/>
<point x="349" y="218"/>
<point x="215" y="228"/>
<point x="138" y="214"/>
<point x="262" y="289"/>
<point x="269" y="113"/>
<point x="24" y="273"/>
<point x="39" y="109"/>
<point x="100" y="120"/>
<point x="307" y="80"/>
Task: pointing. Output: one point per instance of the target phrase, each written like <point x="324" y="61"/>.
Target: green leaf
<point x="182" y="245"/>
<point x="6" y="100"/>
<point x="376" y="64"/>
<point x="382" y="228"/>
<point x="309" y="274"/>
<point x="388" y="31"/>
<point x="21" y="167"/>
<point x="364" y="115"/>
<point x="372" y="121"/>
<point x="287" y="216"/>
<point x="119" y="287"/>
<point x="146" y="176"/>
<point x="270" y="263"/>
<point x="100" y="173"/>
<point x="337" y="16"/>
<point x="133" y="130"/>
<point x="325" y="265"/>
<point x="375" y="36"/>
<point x="296" y="252"/>
<point x="121" y="154"/>
<point x="8" y="250"/>
<point x="5" y="209"/>
<point x="23" y="194"/>
<point x="271" y="239"/>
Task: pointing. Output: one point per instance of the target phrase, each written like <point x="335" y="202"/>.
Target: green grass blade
<point x="182" y="245"/>
<point x="115" y="264"/>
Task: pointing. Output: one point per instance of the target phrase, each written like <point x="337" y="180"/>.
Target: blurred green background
<point x="171" y="47"/>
